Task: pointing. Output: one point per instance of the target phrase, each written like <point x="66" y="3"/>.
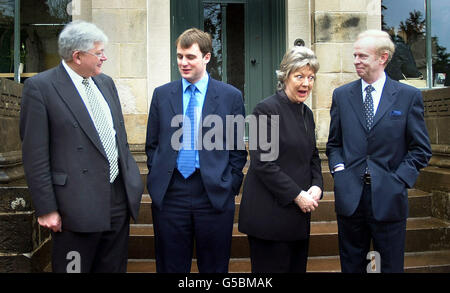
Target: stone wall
<point x="436" y="177"/>
<point x="125" y="24"/>
<point x="10" y="146"/>
<point x="336" y="25"/>
<point x="24" y="246"/>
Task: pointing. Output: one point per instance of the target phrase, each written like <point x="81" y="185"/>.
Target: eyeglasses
<point x="98" y="55"/>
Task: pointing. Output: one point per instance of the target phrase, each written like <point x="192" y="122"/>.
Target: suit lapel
<point x="386" y="101"/>
<point x="69" y="94"/>
<point x="210" y="104"/>
<point x="356" y="100"/>
<point x="176" y="98"/>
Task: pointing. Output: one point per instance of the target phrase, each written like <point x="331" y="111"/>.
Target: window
<point x="418" y="54"/>
<point x="41" y="21"/>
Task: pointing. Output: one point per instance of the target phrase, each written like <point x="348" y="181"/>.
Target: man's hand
<point x="51" y="221"/>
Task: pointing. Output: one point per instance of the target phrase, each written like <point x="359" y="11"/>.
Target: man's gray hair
<point x="79" y="36"/>
<point x="295" y="58"/>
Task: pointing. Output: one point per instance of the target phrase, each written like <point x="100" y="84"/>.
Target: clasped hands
<point x="308" y="201"/>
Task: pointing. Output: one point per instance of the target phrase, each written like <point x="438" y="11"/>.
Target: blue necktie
<point x="186" y="156"/>
<point x="368" y="106"/>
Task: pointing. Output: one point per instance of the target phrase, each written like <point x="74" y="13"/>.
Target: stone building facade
<point x="140" y="45"/>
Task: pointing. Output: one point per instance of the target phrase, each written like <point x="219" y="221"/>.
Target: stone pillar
<point x="436" y="177"/>
<point x="24" y="247"/>
<point x="336" y="25"/>
<point x="125" y="24"/>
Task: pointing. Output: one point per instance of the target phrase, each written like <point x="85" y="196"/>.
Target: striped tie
<point x="105" y="132"/>
<point x="186" y="156"/>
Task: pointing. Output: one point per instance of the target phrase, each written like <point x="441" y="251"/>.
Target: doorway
<point x="249" y="41"/>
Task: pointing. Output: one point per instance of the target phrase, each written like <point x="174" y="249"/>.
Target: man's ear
<point x="207" y="58"/>
<point x="384" y="58"/>
<point x="76" y="57"/>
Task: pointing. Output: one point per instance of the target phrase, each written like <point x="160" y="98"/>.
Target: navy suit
<point x="394" y="150"/>
<point x="212" y="187"/>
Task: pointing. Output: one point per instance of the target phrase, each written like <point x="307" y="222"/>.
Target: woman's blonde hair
<point x="295" y="58"/>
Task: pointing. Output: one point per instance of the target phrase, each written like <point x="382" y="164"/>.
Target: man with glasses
<point x="82" y="177"/>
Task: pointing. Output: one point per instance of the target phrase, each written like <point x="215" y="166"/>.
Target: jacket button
<point x="80" y="148"/>
<point x="85" y="171"/>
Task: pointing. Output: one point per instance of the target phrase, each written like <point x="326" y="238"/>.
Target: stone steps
<point x="419" y="206"/>
<point x="423" y="234"/>
<point x="427" y="248"/>
<point x="416" y="262"/>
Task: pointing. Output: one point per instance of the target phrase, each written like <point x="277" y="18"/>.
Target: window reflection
<point x="6" y="36"/>
<point x="41" y="21"/>
<point x="213" y="25"/>
<point x="407" y="28"/>
<point x="440" y="19"/>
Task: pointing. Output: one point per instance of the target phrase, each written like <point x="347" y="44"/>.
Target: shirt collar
<point x="73" y="75"/>
<point x="201" y="85"/>
<point x="377" y="85"/>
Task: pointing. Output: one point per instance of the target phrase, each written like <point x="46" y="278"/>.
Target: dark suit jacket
<point x="221" y="170"/>
<point x="394" y="149"/>
<point x="267" y="208"/>
<point x="65" y="165"/>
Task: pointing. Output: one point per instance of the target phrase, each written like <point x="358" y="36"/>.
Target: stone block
<point x="133" y="95"/>
<point x="352" y="5"/>
<point x="322" y="120"/>
<point x="112" y="66"/>
<point x="326" y="5"/>
<point x="14" y="200"/>
<point x="107" y="20"/>
<point x="99" y="4"/>
<point x="133" y="60"/>
<point x="17" y="233"/>
<point x="347" y="58"/>
<point x="323" y="89"/>
<point x="34" y="262"/>
<point x="135" y="26"/>
<point x="338" y="27"/>
<point x="136" y="126"/>
<point x="329" y="56"/>
<point x="441" y="204"/>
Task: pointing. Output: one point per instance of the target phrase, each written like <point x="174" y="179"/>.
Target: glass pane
<point x="6" y="36"/>
<point x="225" y="23"/>
<point x="212" y="14"/>
<point x="41" y="23"/>
<point x="236" y="45"/>
<point x="404" y="20"/>
<point x="440" y="31"/>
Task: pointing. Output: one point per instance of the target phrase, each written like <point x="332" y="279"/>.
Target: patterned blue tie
<point x="186" y="156"/>
<point x="368" y="106"/>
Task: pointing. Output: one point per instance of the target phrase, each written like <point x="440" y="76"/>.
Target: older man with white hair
<point x="377" y="144"/>
<point x="82" y="177"/>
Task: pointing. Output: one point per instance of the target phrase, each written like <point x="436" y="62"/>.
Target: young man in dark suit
<point x="82" y="177"/>
<point x="193" y="186"/>
<point x="377" y="144"/>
